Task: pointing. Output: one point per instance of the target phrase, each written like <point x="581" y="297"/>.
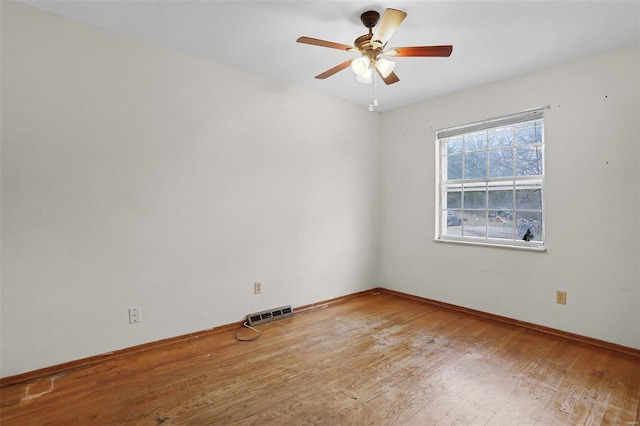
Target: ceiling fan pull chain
<point x="373" y="90"/>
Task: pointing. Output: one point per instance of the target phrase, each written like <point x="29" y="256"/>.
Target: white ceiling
<point x="493" y="40"/>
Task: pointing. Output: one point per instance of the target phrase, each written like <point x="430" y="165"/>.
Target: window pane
<point x="475" y="200"/>
<point x="501" y="200"/>
<point x="501" y="227"/>
<point x="529" y="226"/>
<point x="453" y="231"/>
<point x="475" y="141"/>
<point x="529" y="199"/>
<point x="529" y="161"/>
<point x="454" y="200"/>
<point x="501" y="163"/>
<point x="453" y="167"/>
<point x="529" y="133"/>
<point x="501" y="216"/>
<point x="475" y="165"/>
<point x="454" y="145"/>
<point x="475" y="224"/>
<point x="454" y="222"/>
<point x="501" y="137"/>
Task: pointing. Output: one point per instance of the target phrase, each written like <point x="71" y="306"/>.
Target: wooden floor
<point x="377" y="359"/>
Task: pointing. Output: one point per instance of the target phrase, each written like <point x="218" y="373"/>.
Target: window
<point x="491" y="178"/>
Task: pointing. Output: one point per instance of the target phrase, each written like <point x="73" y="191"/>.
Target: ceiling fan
<point x="372" y="48"/>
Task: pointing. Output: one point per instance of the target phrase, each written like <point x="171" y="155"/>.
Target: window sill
<point x="540" y="249"/>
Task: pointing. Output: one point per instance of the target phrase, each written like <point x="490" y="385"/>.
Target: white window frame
<point x="476" y="222"/>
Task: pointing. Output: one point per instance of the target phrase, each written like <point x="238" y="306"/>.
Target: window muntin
<point x="492" y="182"/>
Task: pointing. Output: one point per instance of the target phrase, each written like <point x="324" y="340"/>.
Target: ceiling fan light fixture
<point x="385" y="67"/>
<point x="361" y="65"/>
<point x="366" y="77"/>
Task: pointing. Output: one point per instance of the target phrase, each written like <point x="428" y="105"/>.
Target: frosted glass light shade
<point x="365" y="77"/>
<point x="385" y="67"/>
<point x="360" y="65"/>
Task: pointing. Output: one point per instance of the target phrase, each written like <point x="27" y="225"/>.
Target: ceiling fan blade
<point x="391" y="19"/>
<point x="332" y="71"/>
<point x="390" y="79"/>
<point x="442" y="51"/>
<point x="323" y="43"/>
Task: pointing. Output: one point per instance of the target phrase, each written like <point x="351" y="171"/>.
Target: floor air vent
<point x="270" y="315"/>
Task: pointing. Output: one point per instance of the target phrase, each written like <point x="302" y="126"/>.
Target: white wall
<point x="135" y="175"/>
<point x="592" y="203"/>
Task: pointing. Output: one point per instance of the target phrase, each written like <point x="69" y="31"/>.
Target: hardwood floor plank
<point x="376" y="359"/>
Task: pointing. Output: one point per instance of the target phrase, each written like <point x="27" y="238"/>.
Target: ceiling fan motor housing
<point x="370" y="19"/>
<point x="363" y="43"/>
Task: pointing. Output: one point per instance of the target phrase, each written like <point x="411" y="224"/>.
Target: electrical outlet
<point x="257" y="288"/>
<point x="561" y="297"/>
<point x="134" y="314"/>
